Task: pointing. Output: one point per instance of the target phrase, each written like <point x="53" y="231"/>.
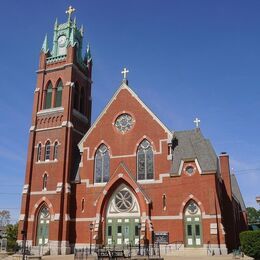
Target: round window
<point x="192" y="208"/>
<point x="123" y="200"/>
<point x="124" y="123"/>
<point x="189" y="170"/>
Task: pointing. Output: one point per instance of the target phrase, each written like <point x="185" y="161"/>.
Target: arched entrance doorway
<point x="43" y="226"/>
<point x="192" y="225"/>
<point x="122" y="218"/>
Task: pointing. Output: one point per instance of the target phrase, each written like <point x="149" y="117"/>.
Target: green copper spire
<point x="81" y="30"/>
<point x="56" y="24"/>
<point x="45" y="47"/>
<point x="88" y="57"/>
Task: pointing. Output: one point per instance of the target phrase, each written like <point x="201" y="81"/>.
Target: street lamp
<point x="90" y="236"/>
<point x="258" y="199"/>
<point x="139" y="240"/>
<point x="23" y="232"/>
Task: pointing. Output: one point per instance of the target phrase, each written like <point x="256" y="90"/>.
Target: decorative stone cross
<point x="124" y="72"/>
<point x="197" y="122"/>
<point x="70" y="11"/>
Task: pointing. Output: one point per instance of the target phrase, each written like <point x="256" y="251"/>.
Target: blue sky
<point x="186" y="59"/>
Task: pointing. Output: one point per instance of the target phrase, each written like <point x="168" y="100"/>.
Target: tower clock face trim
<point x="62" y="41"/>
<point x="124" y="123"/>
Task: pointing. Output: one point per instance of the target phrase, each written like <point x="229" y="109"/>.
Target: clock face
<point x="62" y="41"/>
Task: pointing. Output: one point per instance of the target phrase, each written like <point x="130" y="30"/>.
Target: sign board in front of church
<point x="161" y="237"/>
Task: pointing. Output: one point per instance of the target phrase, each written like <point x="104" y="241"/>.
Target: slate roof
<point x="236" y="191"/>
<point x="190" y="145"/>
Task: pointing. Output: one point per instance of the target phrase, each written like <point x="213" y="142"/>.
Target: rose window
<point x="124" y="123"/>
<point x="192" y="208"/>
<point x="123" y="200"/>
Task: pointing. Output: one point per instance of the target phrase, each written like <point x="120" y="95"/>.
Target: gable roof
<point x="236" y="191"/>
<point x="126" y="87"/>
<point x="191" y="145"/>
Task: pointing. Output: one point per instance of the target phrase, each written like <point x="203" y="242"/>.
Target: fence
<point x="112" y="252"/>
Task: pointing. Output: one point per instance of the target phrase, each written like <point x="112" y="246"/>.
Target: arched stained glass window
<point x="58" y="97"/>
<point x="55" y="151"/>
<point x="102" y="164"/>
<point x="43" y="226"/>
<point x="47" y="151"/>
<point x="82" y="101"/>
<point x="39" y="152"/>
<point x="44" y="182"/>
<point x="145" y="161"/>
<point x="48" y="96"/>
<point x="76" y="96"/>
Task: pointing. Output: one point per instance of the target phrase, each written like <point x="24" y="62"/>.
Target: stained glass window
<point x="55" y="151"/>
<point x="192" y="207"/>
<point x="58" y="97"/>
<point x="124" y="123"/>
<point x="123" y="200"/>
<point x="47" y="150"/>
<point x="39" y="152"/>
<point x="102" y="164"/>
<point x="48" y="96"/>
<point x="145" y="161"/>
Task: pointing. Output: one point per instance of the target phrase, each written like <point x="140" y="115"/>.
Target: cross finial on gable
<point x="197" y="122"/>
<point x="70" y="11"/>
<point x="124" y="72"/>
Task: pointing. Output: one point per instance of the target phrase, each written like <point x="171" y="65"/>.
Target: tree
<point x="11" y="235"/>
<point x="253" y="215"/>
<point x="4" y="218"/>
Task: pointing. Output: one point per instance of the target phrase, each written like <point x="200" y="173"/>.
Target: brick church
<point x="124" y="179"/>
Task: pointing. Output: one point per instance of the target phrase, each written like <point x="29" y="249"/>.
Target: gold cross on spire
<point x="70" y="11"/>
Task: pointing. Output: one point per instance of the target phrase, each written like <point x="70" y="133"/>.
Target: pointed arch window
<point x="43" y="226"/>
<point x="39" y="152"/>
<point x="82" y="101"/>
<point x="47" y="151"/>
<point x="58" y="96"/>
<point x="102" y="164"/>
<point x="55" y="151"/>
<point x="44" y="181"/>
<point x="145" y="161"/>
<point x="76" y="96"/>
<point x="48" y="96"/>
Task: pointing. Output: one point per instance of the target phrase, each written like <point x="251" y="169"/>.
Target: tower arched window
<point x="44" y="182"/>
<point x="47" y="154"/>
<point x="145" y="161"/>
<point x="82" y="205"/>
<point x="55" y="151"/>
<point x="82" y="101"/>
<point x="76" y="96"/>
<point x="58" y="96"/>
<point x="48" y="96"/>
<point x="39" y="152"/>
<point x="102" y="164"/>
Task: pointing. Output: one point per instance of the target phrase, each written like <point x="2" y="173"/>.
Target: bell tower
<point x="60" y="118"/>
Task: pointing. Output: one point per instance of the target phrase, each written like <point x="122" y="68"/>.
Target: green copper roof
<point x="45" y="47"/>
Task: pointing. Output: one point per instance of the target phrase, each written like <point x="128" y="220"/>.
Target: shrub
<point x="250" y="242"/>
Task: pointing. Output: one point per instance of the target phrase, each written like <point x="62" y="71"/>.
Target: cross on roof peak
<point x="124" y="72"/>
<point x="197" y="122"/>
<point x="70" y="11"/>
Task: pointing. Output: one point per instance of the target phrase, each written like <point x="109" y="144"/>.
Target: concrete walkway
<point x="228" y="257"/>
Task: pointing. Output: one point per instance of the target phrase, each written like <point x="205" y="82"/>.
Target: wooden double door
<point x="193" y="231"/>
<point x="122" y="231"/>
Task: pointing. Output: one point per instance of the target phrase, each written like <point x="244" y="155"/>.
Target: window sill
<point x="145" y="181"/>
<point x="47" y="161"/>
<point x="48" y="111"/>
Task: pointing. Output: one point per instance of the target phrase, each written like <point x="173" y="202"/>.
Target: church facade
<point x="126" y="178"/>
